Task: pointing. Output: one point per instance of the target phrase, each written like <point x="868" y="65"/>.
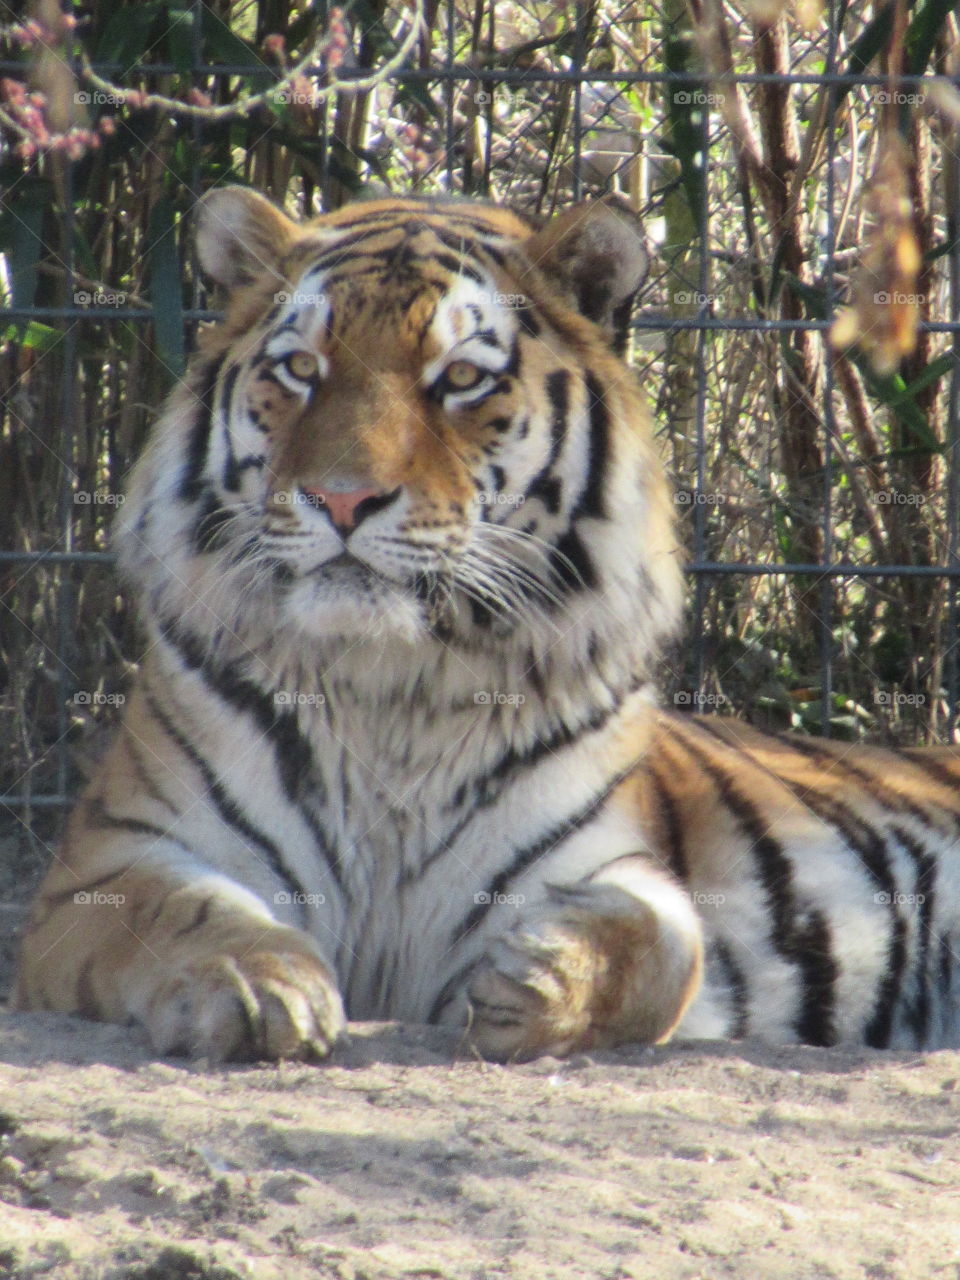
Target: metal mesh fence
<point x="821" y="586"/>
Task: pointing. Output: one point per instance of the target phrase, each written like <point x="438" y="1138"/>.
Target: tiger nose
<point x="346" y="509"/>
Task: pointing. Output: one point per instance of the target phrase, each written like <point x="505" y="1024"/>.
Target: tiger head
<point x="413" y="420"/>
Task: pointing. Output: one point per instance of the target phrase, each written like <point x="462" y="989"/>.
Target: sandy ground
<point x="405" y="1157"/>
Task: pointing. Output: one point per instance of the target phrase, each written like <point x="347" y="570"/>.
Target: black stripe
<point x="227" y="808"/>
<point x="870" y="848"/>
<point x="804" y="944"/>
<point x="925" y="888"/>
<point x="884" y="795"/>
<point x="302" y="784"/>
<point x="528" y="321"/>
<point x="521" y="862"/>
<point x="457" y="267"/>
<point x="736" y="981"/>
<point x="545" y="485"/>
<point x="935" y="768"/>
<point x="525" y="858"/>
<point x="513" y="761"/>
<point x="558" y="393"/>
<point x="54" y="900"/>
<point x="460" y="246"/>
<point x="591" y="501"/>
<point x="549" y="490"/>
<point x="211" y="525"/>
<point x="231" y="474"/>
<point x="571" y="562"/>
<point x="201" y="916"/>
<point x="100" y="816"/>
<point x="198" y="441"/>
<point x="620" y="324"/>
<point x="670" y="817"/>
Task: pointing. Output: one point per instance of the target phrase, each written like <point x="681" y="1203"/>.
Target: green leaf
<point x="180" y="39"/>
<point x="416" y="93"/>
<point x="225" y="46"/>
<point x="165" y="288"/>
<point x="813" y="298"/>
<point x="127" y="34"/>
<point x="921" y="37"/>
<point x="36" y="336"/>
<point x="313" y="18"/>
<point x="872" y="39"/>
<point x="938" y="368"/>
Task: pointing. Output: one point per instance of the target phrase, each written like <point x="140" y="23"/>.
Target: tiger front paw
<point x="530" y="996"/>
<point x="263" y="1005"/>
<point x="599" y="968"/>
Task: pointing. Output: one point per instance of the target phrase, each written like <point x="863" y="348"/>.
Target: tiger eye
<point x="302" y="365"/>
<point x="461" y="374"/>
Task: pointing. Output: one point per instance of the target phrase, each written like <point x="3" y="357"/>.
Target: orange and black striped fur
<point x="404" y="554"/>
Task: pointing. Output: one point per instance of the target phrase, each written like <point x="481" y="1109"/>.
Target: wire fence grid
<point x="794" y="617"/>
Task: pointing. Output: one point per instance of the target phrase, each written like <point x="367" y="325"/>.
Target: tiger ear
<point x="595" y="255"/>
<point x="240" y="235"/>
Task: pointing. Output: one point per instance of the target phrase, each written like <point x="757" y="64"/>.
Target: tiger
<point x="404" y="552"/>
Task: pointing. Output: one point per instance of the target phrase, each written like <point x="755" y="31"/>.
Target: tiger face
<point x="414" y="423"/>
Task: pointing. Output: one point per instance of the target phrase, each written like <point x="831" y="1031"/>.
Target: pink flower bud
<point x="12" y="90"/>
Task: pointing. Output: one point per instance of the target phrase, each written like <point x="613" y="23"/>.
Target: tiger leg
<point x="615" y="958"/>
<point x="192" y="956"/>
